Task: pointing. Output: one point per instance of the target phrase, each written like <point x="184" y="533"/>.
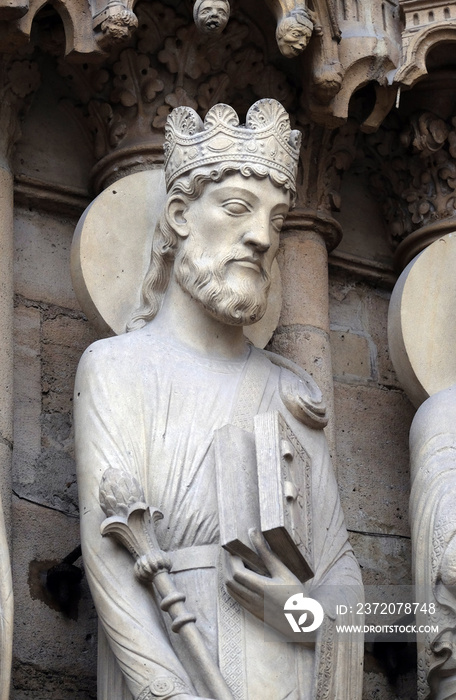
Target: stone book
<point x="237" y="493"/>
<point x="285" y="493"/>
<point x="263" y="482"/>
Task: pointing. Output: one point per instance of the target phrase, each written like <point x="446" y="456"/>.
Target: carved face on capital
<point x="211" y="16"/>
<point x="293" y="34"/>
<point x="229" y="238"/>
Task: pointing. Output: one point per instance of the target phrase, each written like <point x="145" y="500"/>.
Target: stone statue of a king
<point x="165" y="417"/>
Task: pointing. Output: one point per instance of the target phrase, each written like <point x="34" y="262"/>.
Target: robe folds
<point x="433" y="520"/>
<point x="149" y="406"/>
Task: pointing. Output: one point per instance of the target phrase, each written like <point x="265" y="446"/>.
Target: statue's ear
<point x="176" y="208"/>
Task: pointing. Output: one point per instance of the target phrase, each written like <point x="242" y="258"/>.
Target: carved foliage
<point x="325" y="156"/>
<point x="18" y="79"/>
<point x="170" y="65"/>
<point x="413" y="172"/>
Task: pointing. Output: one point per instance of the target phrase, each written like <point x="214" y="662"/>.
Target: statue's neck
<point x="185" y="319"/>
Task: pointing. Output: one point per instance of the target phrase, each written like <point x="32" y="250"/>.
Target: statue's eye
<point x="235" y="207"/>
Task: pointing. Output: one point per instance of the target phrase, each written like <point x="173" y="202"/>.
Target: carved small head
<point x="211" y="16"/>
<point x="293" y="33"/>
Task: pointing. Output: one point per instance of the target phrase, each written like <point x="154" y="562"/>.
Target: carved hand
<point x="248" y="588"/>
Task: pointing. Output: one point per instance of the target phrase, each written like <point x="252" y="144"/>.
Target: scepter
<point x="132" y="523"/>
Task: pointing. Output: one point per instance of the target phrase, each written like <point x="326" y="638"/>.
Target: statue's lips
<point x="251" y="263"/>
<point x="212" y="23"/>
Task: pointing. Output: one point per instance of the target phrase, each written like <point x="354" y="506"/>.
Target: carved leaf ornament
<point x="413" y="172"/>
<point x="135" y="81"/>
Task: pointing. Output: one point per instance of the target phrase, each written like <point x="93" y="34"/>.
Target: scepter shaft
<point x="132" y="523"/>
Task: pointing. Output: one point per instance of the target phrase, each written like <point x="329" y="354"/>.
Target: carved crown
<point x="266" y="140"/>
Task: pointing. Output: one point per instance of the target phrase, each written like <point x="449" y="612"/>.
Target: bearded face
<point x="228" y="239"/>
<point x="207" y="280"/>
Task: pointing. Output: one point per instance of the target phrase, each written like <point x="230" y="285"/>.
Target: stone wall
<point x="55" y="656"/>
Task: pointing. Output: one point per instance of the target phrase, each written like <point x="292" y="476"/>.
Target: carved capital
<point x="126" y="103"/>
<point x="18" y="80"/>
<point x="325" y="156"/>
<point x="413" y="174"/>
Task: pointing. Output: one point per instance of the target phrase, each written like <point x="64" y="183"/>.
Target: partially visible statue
<point x="211" y="16"/>
<point x="433" y="519"/>
<point x="293" y="32"/>
<point x="174" y="416"/>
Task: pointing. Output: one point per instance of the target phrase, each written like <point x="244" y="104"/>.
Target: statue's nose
<point x="259" y="237"/>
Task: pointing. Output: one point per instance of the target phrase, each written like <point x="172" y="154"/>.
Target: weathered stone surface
<point x="383" y="560"/>
<point x="353" y="356"/>
<point x="30" y="681"/>
<point x="305" y="282"/>
<point x="44" y="638"/>
<point x="27" y="393"/>
<point x="372" y="428"/>
<point x="357" y="308"/>
<point x="42" y="258"/>
<point x="64" y="339"/>
<point x="377" y="304"/>
<point x="44" y="460"/>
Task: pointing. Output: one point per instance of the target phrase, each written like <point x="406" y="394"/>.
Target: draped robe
<point x="149" y="406"/>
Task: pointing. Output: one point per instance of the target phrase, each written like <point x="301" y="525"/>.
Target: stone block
<point x="42" y="258"/>
<point x="45" y="470"/>
<point x="49" y="478"/>
<point x="353" y="357"/>
<point x="27" y="393"/>
<point x="347" y="307"/>
<point x="362" y="310"/>
<point x="372" y="428"/>
<point x="43" y="637"/>
<point x="64" y="340"/>
<point x="383" y="560"/>
<point x="377" y="303"/>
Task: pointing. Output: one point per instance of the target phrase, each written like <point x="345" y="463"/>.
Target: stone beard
<point x="205" y="280"/>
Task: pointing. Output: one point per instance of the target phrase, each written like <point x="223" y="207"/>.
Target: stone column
<point x="17" y="79"/>
<point x="309" y="234"/>
<point x="303" y="332"/>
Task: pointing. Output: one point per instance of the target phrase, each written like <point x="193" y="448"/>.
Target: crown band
<point x="266" y="139"/>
